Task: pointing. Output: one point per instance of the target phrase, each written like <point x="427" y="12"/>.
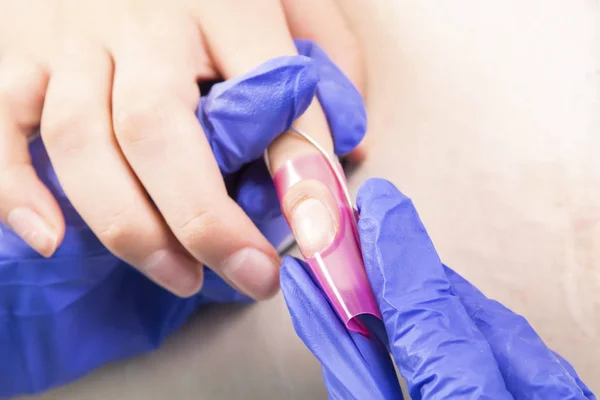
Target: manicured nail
<point x="253" y="272"/>
<point x="33" y="230"/>
<point x="175" y="272"/>
<point x="313" y="225"/>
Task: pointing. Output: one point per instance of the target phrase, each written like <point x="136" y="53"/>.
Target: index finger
<point x="436" y="346"/>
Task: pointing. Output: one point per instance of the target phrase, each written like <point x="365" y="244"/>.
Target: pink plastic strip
<point x="340" y="268"/>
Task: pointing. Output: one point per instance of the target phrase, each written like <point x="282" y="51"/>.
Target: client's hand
<point x="63" y="316"/>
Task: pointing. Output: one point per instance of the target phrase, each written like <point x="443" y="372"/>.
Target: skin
<point x="113" y="87"/>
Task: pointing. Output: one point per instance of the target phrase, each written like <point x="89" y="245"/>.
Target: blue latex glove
<point x="448" y="340"/>
<point x="62" y="317"/>
<point x="346" y="115"/>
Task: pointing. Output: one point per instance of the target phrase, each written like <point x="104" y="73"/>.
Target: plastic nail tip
<point x="339" y="269"/>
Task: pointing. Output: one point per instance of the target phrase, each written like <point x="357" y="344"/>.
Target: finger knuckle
<point x="118" y="235"/>
<point x="137" y="118"/>
<point x="11" y="180"/>
<point x="20" y="76"/>
<point x="67" y="130"/>
<point x="56" y="126"/>
<point x="196" y="229"/>
<point x="23" y="86"/>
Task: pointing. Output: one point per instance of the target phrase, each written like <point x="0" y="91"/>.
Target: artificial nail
<point x="253" y="272"/>
<point x="313" y="225"/>
<point x="33" y="230"/>
<point x="174" y="271"/>
<point x="331" y="249"/>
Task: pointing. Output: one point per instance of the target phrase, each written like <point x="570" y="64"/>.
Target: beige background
<point x="487" y="114"/>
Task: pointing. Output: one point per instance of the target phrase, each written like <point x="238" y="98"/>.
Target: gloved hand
<point x="345" y="111"/>
<point x="62" y="317"/>
<point x="447" y="339"/>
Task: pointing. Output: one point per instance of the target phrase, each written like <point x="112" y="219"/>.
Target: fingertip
<point x="253" y="272"/>
<point x="175" y="271"/>
<point x="35" y="230"/>
<point x="26" y="206"/>
<point x="31" y="211"/>
<point x="51" y="212"/>
<point x="268" y="292"/>
<point x="374" y="190"/>
<point x="194" y="289"/>
<point x="387" y="216"/>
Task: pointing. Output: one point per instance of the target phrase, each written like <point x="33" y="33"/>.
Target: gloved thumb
<point x="241" y="116"/>
<point x="347" y="118"/>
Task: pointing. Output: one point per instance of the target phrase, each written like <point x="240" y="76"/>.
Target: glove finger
<point x="256" y="193"/>
<point x="343" y="105"/>
<point x="530" y="369"/>
<point x="241" y="116"/>
<point x="436" y="346"/>
<point x="353" y="366"/>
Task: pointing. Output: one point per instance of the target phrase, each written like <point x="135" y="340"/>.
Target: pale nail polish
<point x="253" y="272"/>
<point x="175" y="272"/>
<point x="313" y="225"/>
<point x="33" y="230"/>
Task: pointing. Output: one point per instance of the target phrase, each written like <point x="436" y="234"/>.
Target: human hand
<point x="84" y="297"/>
<point x="117" y="84"/>
<point x="446" y="338"/>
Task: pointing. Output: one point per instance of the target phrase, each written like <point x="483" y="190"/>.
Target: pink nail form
<point x="339" y="269"/>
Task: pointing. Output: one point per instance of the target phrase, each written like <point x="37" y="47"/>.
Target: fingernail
<point x="313" y="225"/>
<point x="33" y="230"/>
<point x="253" y="272"/>
<point x="174" y="271"/>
